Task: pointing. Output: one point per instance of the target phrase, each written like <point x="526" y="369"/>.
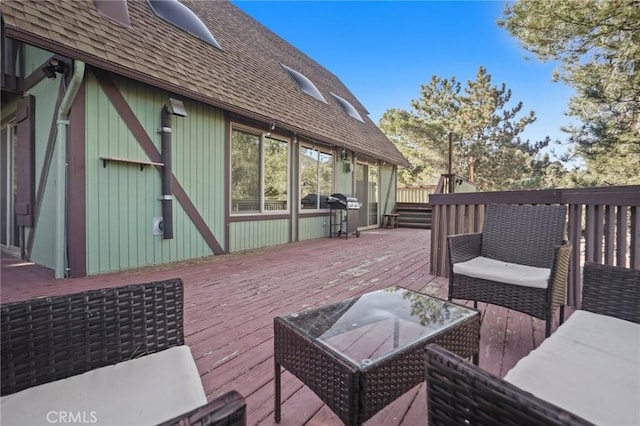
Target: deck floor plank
<point x="492" y="337"/>
<point x="231" y="300"/>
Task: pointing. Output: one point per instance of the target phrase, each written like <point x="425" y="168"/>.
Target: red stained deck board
<point x="231" y="300"/>
<point x="417" y="412"/>
<point x="396" y="413"/>
<point x="518" y="340"/>
<point x="492" y="337"/>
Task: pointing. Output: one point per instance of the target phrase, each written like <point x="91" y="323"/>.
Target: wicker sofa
<point x="587" y="372"/>
<point x="109" y="356"/>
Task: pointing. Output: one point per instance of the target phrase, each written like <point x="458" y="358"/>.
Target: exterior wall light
<point x="55" y="67"/>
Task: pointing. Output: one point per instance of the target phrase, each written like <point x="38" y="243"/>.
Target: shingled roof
<point x="245" y="76"/>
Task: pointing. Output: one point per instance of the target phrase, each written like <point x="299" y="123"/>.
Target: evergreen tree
<point x="598" y="45"/>
<point x="487" y="147"/>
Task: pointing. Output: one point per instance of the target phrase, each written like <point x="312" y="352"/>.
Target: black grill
<point x="344" y="214"/>
<point x="343" y="202"/>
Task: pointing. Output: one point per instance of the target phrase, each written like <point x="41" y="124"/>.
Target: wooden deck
<point x="231" y="300"/>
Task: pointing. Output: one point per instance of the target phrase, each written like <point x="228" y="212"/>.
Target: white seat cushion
<point x="142" y="391"/>
<point x="590" y="366"/>
<point x="503" y="272"/>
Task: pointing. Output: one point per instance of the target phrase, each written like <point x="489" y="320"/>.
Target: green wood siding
<point x="34" y="58"/>
<point x="122" y="200"/>
<point x="8" y="110"/>
<point x="313" y="227"/>
<point x="344" y="180"/>
<point x="42" y="251"/>
<point x="387" y="189"/>
<point x="257" y="234"/>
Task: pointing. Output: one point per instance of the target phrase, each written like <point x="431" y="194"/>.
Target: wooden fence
<point x="419" y="194"/>
<point x="603" y="224"/>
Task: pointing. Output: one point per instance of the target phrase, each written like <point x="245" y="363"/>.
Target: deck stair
<point x="413" y="215"/>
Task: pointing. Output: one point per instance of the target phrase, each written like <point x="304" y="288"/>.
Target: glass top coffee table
<point x="361" y="354"/>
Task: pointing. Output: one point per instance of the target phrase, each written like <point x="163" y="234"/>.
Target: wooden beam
<point x="76" y="184"/>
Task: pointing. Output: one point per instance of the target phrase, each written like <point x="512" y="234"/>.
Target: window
<point x="182" y="17"/>
<point x="276" y="159"/>
<point x="259" y="173"/>
<point x="347" y="107"/>
<point x="304" y="84"/>
<point x="316" y="178"/>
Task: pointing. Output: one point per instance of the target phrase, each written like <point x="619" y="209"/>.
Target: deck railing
<point x="603" y="224"/>
<point x="414" y="194"/>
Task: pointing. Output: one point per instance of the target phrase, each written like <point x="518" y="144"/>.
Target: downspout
<point x="173" y="107"/>
<point x="167" y="191"/>
<point x="61" y="171"/>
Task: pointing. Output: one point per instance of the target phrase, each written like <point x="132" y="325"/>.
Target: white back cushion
<point x="589" y="366"/>
<point x="503" y="272"/>
<point x="142" y="391"/>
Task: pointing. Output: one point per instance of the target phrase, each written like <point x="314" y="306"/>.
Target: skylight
<point x="348" y="108"/>
<point x="304" y="84"/>
<point x="182" y="17"/>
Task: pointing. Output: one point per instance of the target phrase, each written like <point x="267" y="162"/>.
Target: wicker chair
<point x="47" y="339"/>
<point x="459" y="392"/>
<point x="523" y="239"/>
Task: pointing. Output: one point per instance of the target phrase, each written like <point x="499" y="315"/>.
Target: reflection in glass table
<point x="360" y="354"/>
<point x="367" y="328"/>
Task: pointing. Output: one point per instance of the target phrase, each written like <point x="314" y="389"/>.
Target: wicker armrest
<point x="612" y="290"/>
<point x="458" y="393"/>
<point x="560" y="273"/>
<point x="52" y="338"/>
<point x="227" y="410"/>
<point x="463" y="247"/>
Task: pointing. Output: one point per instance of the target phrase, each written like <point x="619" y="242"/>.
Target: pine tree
<point x="487" y="145"/>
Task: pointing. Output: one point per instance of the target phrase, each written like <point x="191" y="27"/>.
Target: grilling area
<point x="231" y="301"/>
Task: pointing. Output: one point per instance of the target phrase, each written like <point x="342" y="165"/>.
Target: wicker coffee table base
<point x="355" y="394"/>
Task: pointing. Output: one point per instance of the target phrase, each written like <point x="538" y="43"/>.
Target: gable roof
<point x="245" y="76"/>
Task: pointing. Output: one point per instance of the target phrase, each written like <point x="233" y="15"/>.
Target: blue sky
<point x="383" y="51"/>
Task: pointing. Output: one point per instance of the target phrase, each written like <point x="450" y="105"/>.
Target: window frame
<point x="261" y="137"/>
<point x="320" y="149"/>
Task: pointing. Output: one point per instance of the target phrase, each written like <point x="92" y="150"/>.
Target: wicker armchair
<point x="459" y="392"/>
<point x="47" y="339"/>
<point x="519" y="261"/>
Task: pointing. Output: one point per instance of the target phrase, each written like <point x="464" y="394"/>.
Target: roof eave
<point x="52" y="46"/>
